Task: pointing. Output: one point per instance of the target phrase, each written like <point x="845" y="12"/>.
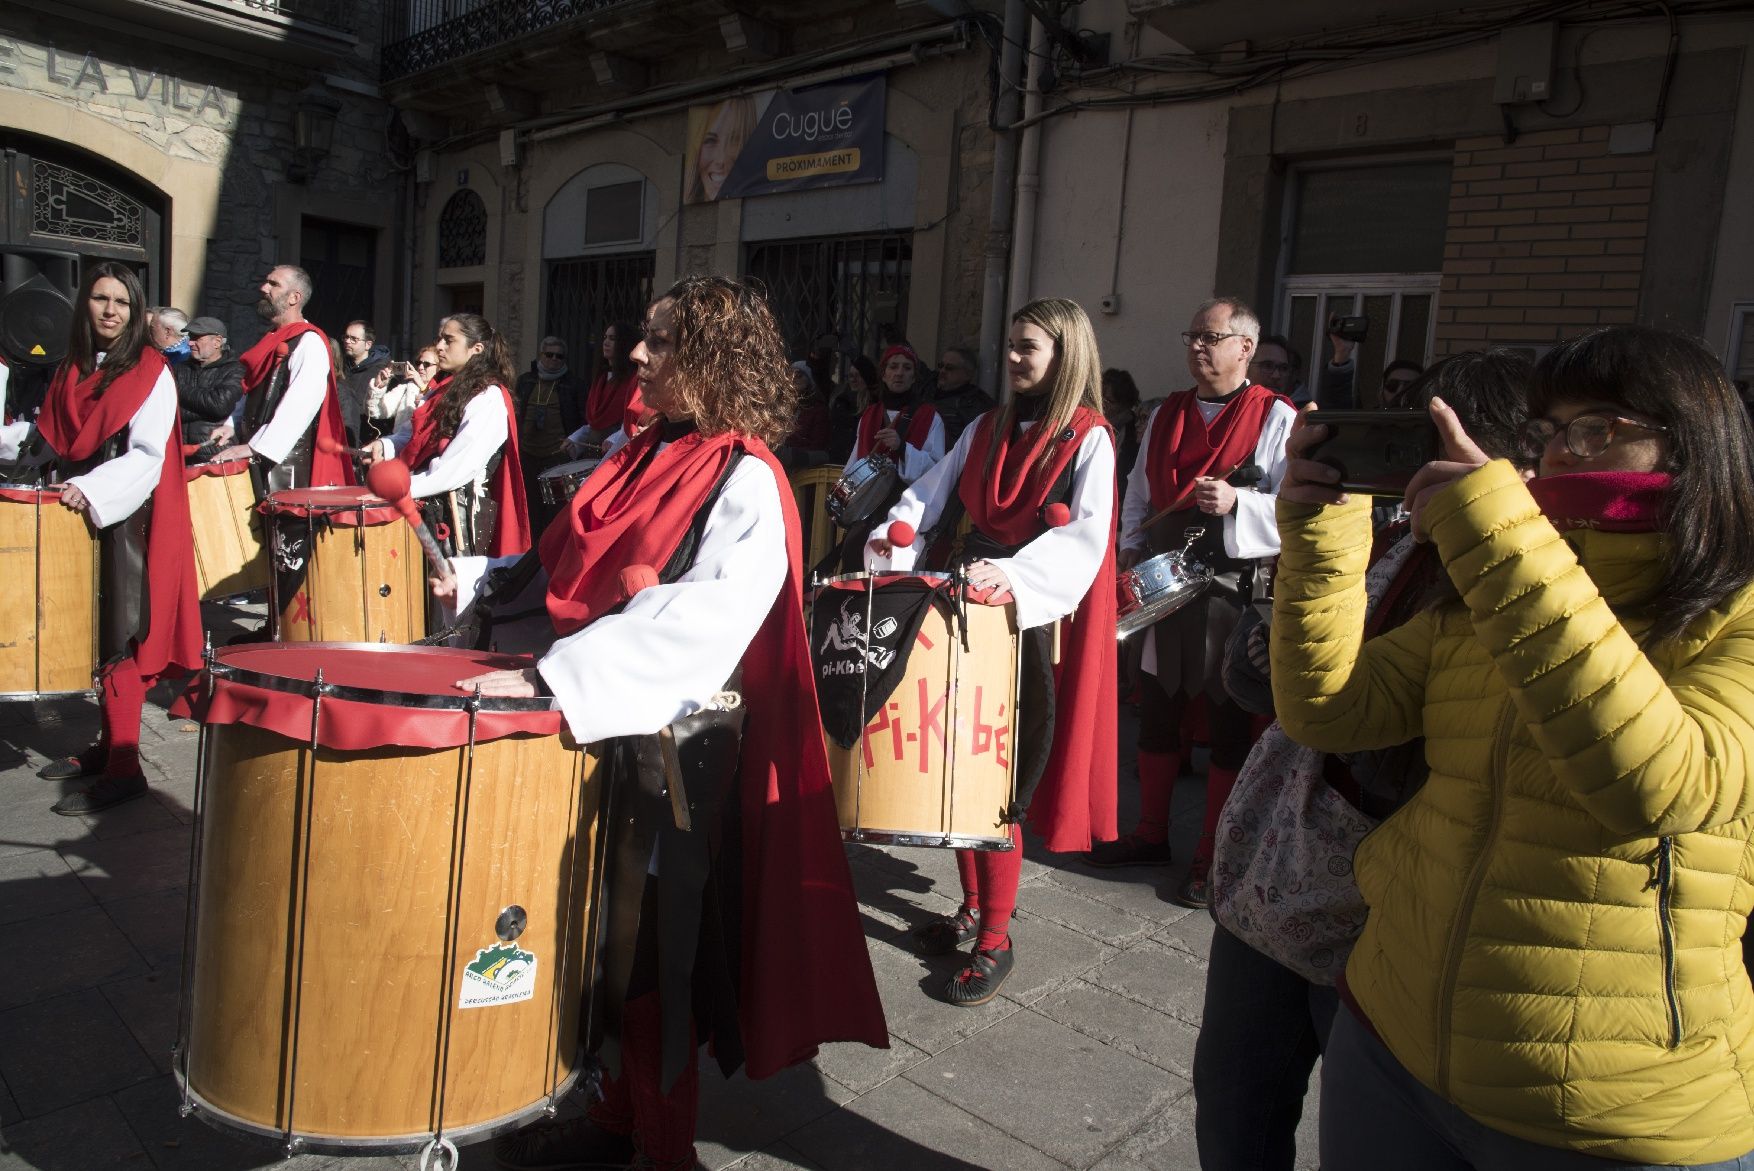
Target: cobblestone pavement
<point x="1083" y="1062"/>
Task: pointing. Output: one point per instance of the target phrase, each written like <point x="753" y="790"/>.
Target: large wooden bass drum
<point x="48" y="607"/>
<point x="394" y="900"/>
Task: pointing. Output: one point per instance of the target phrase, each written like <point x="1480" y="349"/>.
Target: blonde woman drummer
<point x="1036" y="477"/>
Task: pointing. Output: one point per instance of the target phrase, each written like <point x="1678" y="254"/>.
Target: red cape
<point x="1183" y="448"/>
<point x="259" y="361"/>
<point x="876" y="418"/>
<point x="76" y="421"/>
<point x="511" y="525"/>
<point x="806" y="976"/>
<point x="1075" y="802"/>
<point x="611" y="403"/>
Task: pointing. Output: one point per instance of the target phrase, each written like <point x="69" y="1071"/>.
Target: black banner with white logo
<point x="850" y="663"/>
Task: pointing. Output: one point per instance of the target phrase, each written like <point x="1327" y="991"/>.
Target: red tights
<point x="989" y="888"/>
<point x="123" y="697"/>
<point x="662" y="1124"/>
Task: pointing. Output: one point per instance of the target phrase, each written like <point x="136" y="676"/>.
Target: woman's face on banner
<point x="718" y="150"/>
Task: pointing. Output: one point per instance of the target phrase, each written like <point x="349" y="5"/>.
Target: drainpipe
<point x="1004" y="194"/>
<point x="1028" y="175"/>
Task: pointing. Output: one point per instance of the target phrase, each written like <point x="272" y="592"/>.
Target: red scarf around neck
<point x="1615" y="502"/>
<point x="1075" y="803"/>
<point x="1184" y="448"/>
<point x="806" y="976"/>
<point x="259" y="361"/>
<point x="613" y="402"/>
<point x="76" y="421"/>
<point x="511" y="524"/>
<point x="876" y="417"/>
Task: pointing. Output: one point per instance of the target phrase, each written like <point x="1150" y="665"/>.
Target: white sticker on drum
<point x="502" y="974"/>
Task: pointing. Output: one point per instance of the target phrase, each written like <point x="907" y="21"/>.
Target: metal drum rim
<point x="1147" y="615"/>
<point x="885" y="837"/>
<point x="321" y="1144"/>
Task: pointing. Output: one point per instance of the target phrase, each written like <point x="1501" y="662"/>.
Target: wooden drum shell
<point x="229" y="555"/>
<point x="900" y="785"/>
<point x="362" y="582"/>
<point x="329" y="896"/>
<point x="811" y="489"/>
<point x="49" y="611"/>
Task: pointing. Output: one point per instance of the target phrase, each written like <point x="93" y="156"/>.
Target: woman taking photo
<point x="1551" y="972"/>
<point x="110" y="427"/>
<point x="1046" y="456"/>
<point x="450" y="441"/>
<point x="397" y="389"/>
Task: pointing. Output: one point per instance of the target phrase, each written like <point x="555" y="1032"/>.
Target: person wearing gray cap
<point x="210" y="383"/>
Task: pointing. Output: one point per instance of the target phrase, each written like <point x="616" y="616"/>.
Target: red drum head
<point x="373" y="694"/>
<point x="30" y="493"/>
<point x="223" y="467"/>
<point x="341" y="504"/>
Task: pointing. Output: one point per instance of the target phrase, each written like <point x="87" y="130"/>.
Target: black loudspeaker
<point x="37" y="288"/>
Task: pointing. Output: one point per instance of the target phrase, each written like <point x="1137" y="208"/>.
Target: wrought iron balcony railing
<point x="424" y="34"/>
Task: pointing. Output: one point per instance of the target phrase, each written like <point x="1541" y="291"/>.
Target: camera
<point x="1351" y="329"/>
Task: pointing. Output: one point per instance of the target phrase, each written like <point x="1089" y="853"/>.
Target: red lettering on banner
<point x="931" y="725"/>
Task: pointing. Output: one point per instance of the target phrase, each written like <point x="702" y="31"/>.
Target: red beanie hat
<point x="905" y="351"/>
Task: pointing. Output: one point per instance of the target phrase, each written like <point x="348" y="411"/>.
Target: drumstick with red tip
<point x="328" y="446"/>
<point x="390" y="478"/>
<point x="901" y="534"/>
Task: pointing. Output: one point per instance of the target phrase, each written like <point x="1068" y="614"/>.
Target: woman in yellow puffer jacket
<point x="1551" y="975"/>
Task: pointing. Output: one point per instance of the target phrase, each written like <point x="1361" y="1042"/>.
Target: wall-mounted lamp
<point x="313" y="131"/>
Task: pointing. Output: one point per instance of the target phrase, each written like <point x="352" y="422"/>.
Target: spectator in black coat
<point x="959" y="401"/>
<point x="364" y="358"/>
<point x="210" y="383"/>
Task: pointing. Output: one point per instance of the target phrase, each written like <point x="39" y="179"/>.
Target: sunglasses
<point x="426" y="365"/>
<point x="553" y="354"/>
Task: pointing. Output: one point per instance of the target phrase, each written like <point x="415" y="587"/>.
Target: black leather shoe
<point x="1130" y="850"/>
<point x="89" y="763"/>
<point x="982" y="979"/>
<point x="568" y="1144"/>
<point x="945" y="934"/>
<point x="108" y="791"/>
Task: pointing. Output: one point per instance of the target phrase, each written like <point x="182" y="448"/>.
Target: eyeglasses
<point x="1207" y="338"/>
<point x="1281" y="367"/>
<point x="1586" y="436"/>
<point x="554" y="353"/>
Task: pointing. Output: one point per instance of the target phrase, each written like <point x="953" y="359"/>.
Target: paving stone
<point x="1075" y="1106"/>
<point x="1048" y="956"/>
<point x="83" y="1137"/>
<point x="892" y="909"/>
<point x="1160" y="977"/>
<point x="30" y="824"/>
<point x="900" y="1125"/>
<point x="156" y="860"/>
<point x="147" y="1005"/>
<point x="1192" y="933"/>
<point x="1124" y="1024"/>
<point x="1055" y="903"/>
<point x="910" y="986"/>
<point x="58" y="1052"/>
<point x="176" y="1143"/>
<point x="779" y="1157"/>
<point x="154" y="923"/>
<point x="738" y="1116"/>
<point x="136" y="816"/>
<point x="37" y="883"/>
<point x="76" y="949"/>
<point x="861" y="1068"/>
<point x="9" y="1112"/>
<point x="1165" y="1143"/>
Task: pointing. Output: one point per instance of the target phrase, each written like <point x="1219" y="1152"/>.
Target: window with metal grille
<point x="589" y="293"/>
<point x="462" y="231"/>
<point x="614" y="213"/>
<point x="854" y="287"/>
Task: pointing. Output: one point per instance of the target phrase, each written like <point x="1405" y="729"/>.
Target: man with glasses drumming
<point x="550" y="404"/>
<point x="1210" y="460"/>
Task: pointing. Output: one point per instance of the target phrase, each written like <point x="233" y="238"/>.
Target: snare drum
<point x="560" y="482"/>
<point x="394" y="904"/>
<point x="349" y="568"/>
<point x="1154" y="589"/>
<point x="229" y="557"/>
<point x="933" y="766"/>
<point x="48" y="611"/>
<point x="865" y="489"/>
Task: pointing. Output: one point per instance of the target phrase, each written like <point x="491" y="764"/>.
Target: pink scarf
<point x="1615" y="502"/>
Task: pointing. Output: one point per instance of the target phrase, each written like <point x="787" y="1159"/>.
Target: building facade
<point x="1460" y="178"/>
<point x="200" y="143"/>
<point x="560" y="179"/>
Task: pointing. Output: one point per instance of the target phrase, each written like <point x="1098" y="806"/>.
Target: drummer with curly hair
<point x="1037" y="480"/>
<point x="674" y="586"/>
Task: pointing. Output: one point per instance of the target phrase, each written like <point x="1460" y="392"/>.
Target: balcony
<point x="424" y="34"/>
<point x="306" y="32"/>
<point x="1203" y="26"/>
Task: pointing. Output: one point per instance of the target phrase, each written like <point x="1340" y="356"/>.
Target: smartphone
<point x="1351" y="329"/>
<point x="1376" y="452"/>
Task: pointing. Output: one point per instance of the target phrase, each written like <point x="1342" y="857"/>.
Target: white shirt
<point x="480" y="433"/>
<point x="118" y="487"/>
<point x="672" y="647"/>
<point x="1050" y="575"/>
<point x="395" y="402"/>
<point x="1251" y="529"/>
<point x="915" y="461"/>
<point x="307" y="385"/>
